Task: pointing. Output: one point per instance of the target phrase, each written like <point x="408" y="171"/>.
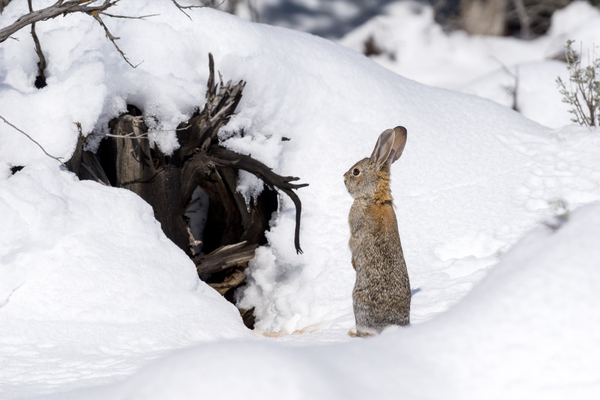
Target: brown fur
<point x="381" y="294"/>
<point x="383" y="193"/>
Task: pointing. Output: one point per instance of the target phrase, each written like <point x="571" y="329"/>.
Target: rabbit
<point x="381" y="295"/>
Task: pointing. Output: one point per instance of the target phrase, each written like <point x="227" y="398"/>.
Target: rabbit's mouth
<point x="346" y="182"/>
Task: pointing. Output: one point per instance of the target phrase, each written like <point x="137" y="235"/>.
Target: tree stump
<point x="233" y="228"/>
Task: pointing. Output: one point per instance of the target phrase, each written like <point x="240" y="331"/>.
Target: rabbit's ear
<point x="383" y="148"/>
<point x="400" y="136"/>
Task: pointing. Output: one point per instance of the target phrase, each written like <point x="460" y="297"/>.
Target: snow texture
<point x="91" y="290"/>
<point x="414" y="46"/>
<point x="530" y="329"/>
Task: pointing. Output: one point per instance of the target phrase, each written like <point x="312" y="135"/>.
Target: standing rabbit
<point x="381" y="294"/>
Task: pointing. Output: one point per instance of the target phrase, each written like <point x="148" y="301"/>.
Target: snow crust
<point x="91" y="290"/>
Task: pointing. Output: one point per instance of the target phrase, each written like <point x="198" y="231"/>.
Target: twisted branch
<point x="266" y="174"/>
<point x="59" y="8"/>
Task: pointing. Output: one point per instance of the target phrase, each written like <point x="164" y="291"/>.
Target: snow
<point x="89" y="278"/>
<point x="504" y="288"/>
<point x="414" y="46"/>
<point x="530" y="329"/>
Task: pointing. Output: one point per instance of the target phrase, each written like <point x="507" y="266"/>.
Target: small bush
<point x="583" y="93"/>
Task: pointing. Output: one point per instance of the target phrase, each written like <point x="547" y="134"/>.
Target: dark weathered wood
<point x="150" y="174"/>
<point x="202" y="164"/>
<point x="203" y="128"/>
<point x="235" y="279"/>
<point x="254" y="217"/>
<point x="266" y="174"/>
<point x="133" y="163"/>
<point x="233" y="228"/>
<point x="225" y="257"/>
<point x="85" y="164"/>
<point x="223" y="224"/>
<point x="199" y="168"/>
<point x="3" y="3"/>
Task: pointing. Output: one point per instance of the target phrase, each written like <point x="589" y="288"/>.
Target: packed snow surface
<point x="498" y="215"/>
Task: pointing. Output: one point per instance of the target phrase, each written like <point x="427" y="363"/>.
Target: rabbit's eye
<point x="356" y="172"/>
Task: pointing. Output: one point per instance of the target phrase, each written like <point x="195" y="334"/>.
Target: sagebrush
<point x="583" y="92"/>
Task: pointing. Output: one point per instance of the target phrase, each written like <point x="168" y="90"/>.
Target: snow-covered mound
<point x="529" y="330"/>
<point x="88" y="276"/>
<point x="91" y="287"/>
<point x="412" y="44"/>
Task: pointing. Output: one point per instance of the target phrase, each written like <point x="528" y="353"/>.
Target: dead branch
<point x="513" y="91"/>
<point x="201" y="157"/>
<point x="183" y="8"/>
<point x="59" y="8"/>
<point x="225" y="257"/>
<point x="40" y="81"/>
<point x="266" y="174"/>
<point x="197" y="169"/>
<point x="221" y="102"/>
<point x="233" y="229"/>
<point x="202" y="165"/>
<point x="128" y="16"/>
<point x="84" y="163"/>
<point x="234" y="280"/>
<point x="63" y="8"/>
<point x="33" y="140"/>
<point x="112" y="38"/>
<point x="3" y="3"/>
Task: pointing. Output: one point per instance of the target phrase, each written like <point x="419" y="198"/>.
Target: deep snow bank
<point x="87" y="275"/>
<point x="474" y="177"/>
<point x="474" y="174"/>
<point x="530" y="329"/>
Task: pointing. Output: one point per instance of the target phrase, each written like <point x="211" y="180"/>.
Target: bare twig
<point x="143" y="136"/>
<point x="129" y="17"/>
<point x="63" y="8"/>
<point x="59" y="8"/>
<point x="183" y="8"/>
<point x="131" y="135"/>
<point x="32" y="139"/>
<point x="511" y="90"/>
<point x="40" y="81"/>
<point x="112" y="38"/>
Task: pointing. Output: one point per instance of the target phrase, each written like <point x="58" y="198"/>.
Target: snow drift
<point x="91" y="289"/>
<point x="529" y="330"/>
